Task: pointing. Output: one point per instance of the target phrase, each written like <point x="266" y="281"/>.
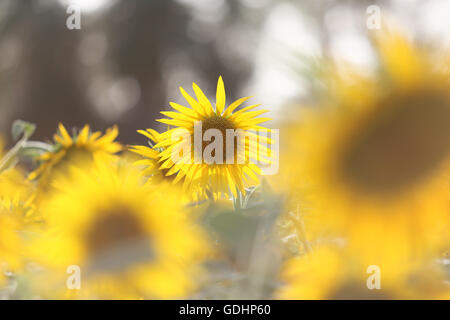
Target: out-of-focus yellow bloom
<point x="129" y="241"/>
<point x="216" y="178"/>
<point x="72" y="149"/>
<point x="16" y="211"/>
<point x="376" y="155"/>
<point x="300" y="226"/>
<point x="328" y="273"/>
<point x="16" y="192"/>
<point x="10" y="243"/>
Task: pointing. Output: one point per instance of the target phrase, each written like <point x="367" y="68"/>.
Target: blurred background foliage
<point x="129" y="57"/>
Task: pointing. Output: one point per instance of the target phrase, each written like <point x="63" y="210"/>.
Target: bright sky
<point x="286" y="29"/>
<point x="87" y="6"/>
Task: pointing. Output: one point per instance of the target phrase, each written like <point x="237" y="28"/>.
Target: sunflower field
<point x="344" y="195"/>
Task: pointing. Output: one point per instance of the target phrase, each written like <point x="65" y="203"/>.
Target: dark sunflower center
<point x="222" y="125"/>
<point x="116" y="240"/>
<point x="401" y="144"/>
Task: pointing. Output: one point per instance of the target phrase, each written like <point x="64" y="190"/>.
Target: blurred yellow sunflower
<point x="77" y="148"/>
<point x="129" y="241"/>
<point x="10" y="242"/>
<point x="16" y="210"/>
<point x="377" y="154"/>
<point x="331" y="274"/>
<point x="221" y="175"/>
<point x="16" y="192"/>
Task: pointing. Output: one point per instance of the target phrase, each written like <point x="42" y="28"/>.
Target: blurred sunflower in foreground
<point x="70" y="149"/>
<point x="220" y="176"/>
<point x="10" y="244"/>
<point x="331" y="274"/>
<point x="16" y="193"/>
<point x="128" y="240"/>
<point x="16" y="212"/>
<point x="376" y="154"/>
<point x="13" y="211"/>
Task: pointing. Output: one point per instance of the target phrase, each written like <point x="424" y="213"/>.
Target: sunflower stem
<point x="301" y="231"/>
<point x="19" y="128"/>
<point x="249" y="194"/>
<point x="9" y="156"/>
<point x="37" y="145"/>
<point x="237" y="201"/>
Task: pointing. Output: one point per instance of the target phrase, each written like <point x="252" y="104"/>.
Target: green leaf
<point x="22" y="128"/>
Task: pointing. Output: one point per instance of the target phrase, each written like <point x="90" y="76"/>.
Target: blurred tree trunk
<point x="49" y="84"/>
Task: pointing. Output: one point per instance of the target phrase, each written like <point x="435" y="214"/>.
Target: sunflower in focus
<point x="222" y="175"/>
<point x="77" y="148"/>
<point x="128" y="240"/>
<point x="331" y="274"/>
<point x="377" y="155"/>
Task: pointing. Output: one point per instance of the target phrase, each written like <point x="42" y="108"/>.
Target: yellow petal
<point x="248" y="115"/>
<point x="246" y="109"/>
<point x="178" y="116"/>
<point x="194" y="104"/>
<point x="82" y="138"/>
<point x="234" y="105"/>
<point x="220" y="96"/>
<point x="145" y="151"/>
<point x="247" y="124"/>
<point x="403" y="63"/>
<point x="64" y="134"/>
<point x="183" y="109"/>
<point x="176" y="123"/>
<point x="201" y="97"/>
<point x="147" y="134"/>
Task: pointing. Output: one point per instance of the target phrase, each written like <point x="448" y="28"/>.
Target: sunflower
<point x="129" y="241"/>
<point x="80" y="148"/>
<point x="10" y="243"/>
<point x="152" y="169"/>
<point x="331" y="274"/>
<point x="224" y="173"/>
<point x="376" y="154"/>
<point x="16" y="192"/>
<point x="16" y="212"/>
<point x="156" y="174"/>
